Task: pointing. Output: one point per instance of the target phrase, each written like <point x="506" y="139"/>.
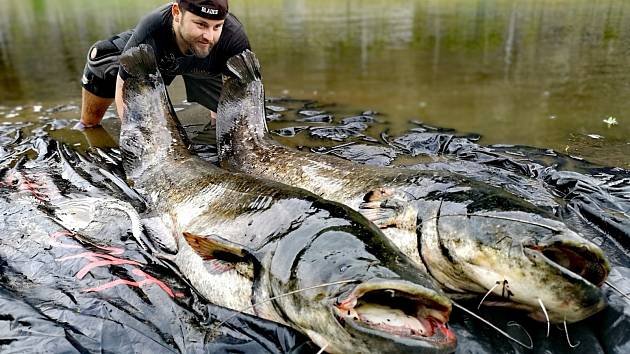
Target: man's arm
<point x="120" y="109"/>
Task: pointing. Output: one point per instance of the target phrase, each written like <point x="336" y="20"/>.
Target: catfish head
<point x="347" y="287"/>
<point x="516" y="258"/>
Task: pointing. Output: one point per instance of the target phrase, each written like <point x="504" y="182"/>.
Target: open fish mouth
<point x="580" y="260"/>
<point x="394" y="312"/>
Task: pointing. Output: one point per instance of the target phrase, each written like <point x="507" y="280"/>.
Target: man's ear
<point x="175" y="11"/>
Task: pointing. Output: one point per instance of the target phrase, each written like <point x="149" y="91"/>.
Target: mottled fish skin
<point x="291" y="238"/>
<point x="474" y="238"/>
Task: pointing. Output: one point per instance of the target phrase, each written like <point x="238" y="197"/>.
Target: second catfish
<point x="474" y="239"/>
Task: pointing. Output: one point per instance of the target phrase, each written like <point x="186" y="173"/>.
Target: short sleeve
<point x="142" y="34"/>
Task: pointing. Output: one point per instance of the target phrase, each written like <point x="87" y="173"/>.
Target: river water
<point x="543" y="73"/>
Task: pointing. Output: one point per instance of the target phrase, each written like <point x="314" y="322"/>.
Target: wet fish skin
<point x="290" y="239"/>
<point x="472" y="236"/>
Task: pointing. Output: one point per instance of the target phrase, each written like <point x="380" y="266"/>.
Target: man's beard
<point x="192" y="49"/>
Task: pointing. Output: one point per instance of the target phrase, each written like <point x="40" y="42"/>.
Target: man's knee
<point x="101" y="68"/>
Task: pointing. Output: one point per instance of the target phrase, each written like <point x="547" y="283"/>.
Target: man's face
<point x="195" y="34"/>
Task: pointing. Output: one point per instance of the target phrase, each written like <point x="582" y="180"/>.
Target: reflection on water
<point x="538" y="72"/>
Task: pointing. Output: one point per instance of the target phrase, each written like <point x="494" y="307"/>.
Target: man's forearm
<point x="118" y="98"/>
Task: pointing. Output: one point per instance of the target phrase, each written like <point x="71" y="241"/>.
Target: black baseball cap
<point x="210" y="9"/>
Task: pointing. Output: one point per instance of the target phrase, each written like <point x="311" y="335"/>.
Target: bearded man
<point x="192" y="38"/>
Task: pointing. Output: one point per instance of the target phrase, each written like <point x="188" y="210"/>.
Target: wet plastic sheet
<point x="59" y="295"/>
<point x="62" y="292"/>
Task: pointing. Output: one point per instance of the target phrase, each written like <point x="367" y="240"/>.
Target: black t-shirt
<point x="156" y="30"/>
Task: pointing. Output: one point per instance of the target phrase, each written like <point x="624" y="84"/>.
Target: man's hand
<point x="81" y="126"/>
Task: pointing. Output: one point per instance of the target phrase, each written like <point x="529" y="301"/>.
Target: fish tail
<point x="245" y="66"/>
<point x="139" y="61"/>
<point x="241" y="109"/>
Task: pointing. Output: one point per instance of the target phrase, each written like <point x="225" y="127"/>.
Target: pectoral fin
<point x="221" y="255"/>
<point x="388" y="208"/>
<point x="382" y="217"/>
<point x="213" y="246"/>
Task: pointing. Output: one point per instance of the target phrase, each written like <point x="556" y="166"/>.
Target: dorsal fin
<point x="245" y="66"/>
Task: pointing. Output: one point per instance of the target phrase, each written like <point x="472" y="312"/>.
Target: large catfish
<point x="473" y="238"/>
<point x="317" y="266"/>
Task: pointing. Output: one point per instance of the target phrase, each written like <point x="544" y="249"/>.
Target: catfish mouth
<point x="411" y="314"/>
<point x="583" y="267"/>
<point x="579" y="260"/>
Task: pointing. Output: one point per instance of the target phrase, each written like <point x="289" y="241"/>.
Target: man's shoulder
<point x="157" y="19"/>
<point x="233" y="26"/>
<point x="154" y="29"/>
<point x="233" y="38"/>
